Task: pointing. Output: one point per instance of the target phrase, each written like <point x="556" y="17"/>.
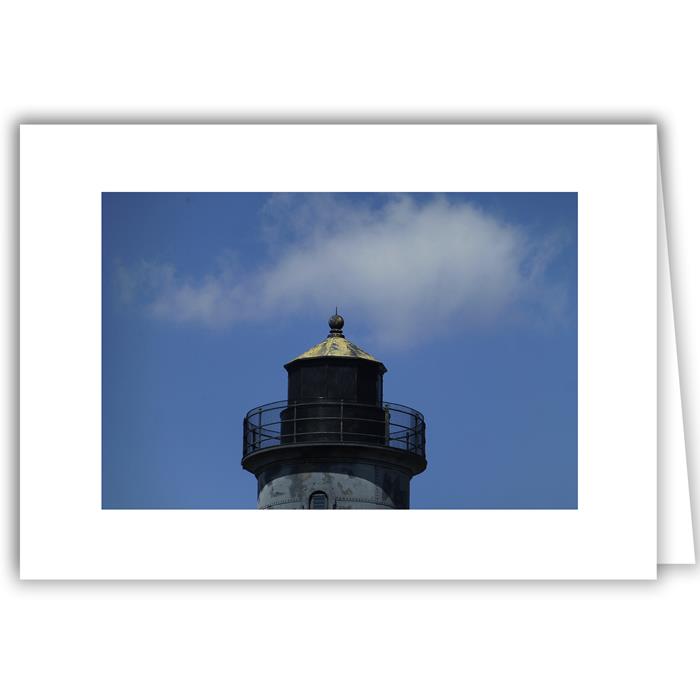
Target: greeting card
<point x="446" y="334"/>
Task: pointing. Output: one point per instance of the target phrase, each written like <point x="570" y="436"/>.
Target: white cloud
<point x="405" y="269"/>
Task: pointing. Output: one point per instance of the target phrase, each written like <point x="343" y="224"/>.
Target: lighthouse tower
<point x="335" y="442"/>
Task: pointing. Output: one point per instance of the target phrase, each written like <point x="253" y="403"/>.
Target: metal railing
<point x="333" y="421"/>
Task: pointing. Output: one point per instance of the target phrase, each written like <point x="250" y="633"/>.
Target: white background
<point x="496" y="61"/>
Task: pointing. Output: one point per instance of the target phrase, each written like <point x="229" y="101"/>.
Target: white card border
<point x="65" y="534"/>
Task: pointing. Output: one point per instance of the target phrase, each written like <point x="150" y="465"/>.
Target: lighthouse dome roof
<point x="336" y="345"/>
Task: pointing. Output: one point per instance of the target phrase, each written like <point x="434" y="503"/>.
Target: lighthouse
<point x="334" y="443"/>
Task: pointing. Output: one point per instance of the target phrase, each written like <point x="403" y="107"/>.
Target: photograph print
<point x="339" y="350"/>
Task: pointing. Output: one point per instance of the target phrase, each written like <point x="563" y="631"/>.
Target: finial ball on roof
<point x="336" y="322"/>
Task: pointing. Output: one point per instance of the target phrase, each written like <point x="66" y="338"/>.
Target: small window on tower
<point x="318" y="501"/>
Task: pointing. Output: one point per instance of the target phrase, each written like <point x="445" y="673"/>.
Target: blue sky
<point x="470" y="300"/>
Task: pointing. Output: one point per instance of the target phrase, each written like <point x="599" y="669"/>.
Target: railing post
<point x="294" y="423"/>
<point x="259" y="427"/>
<point x="341" y="420"/>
